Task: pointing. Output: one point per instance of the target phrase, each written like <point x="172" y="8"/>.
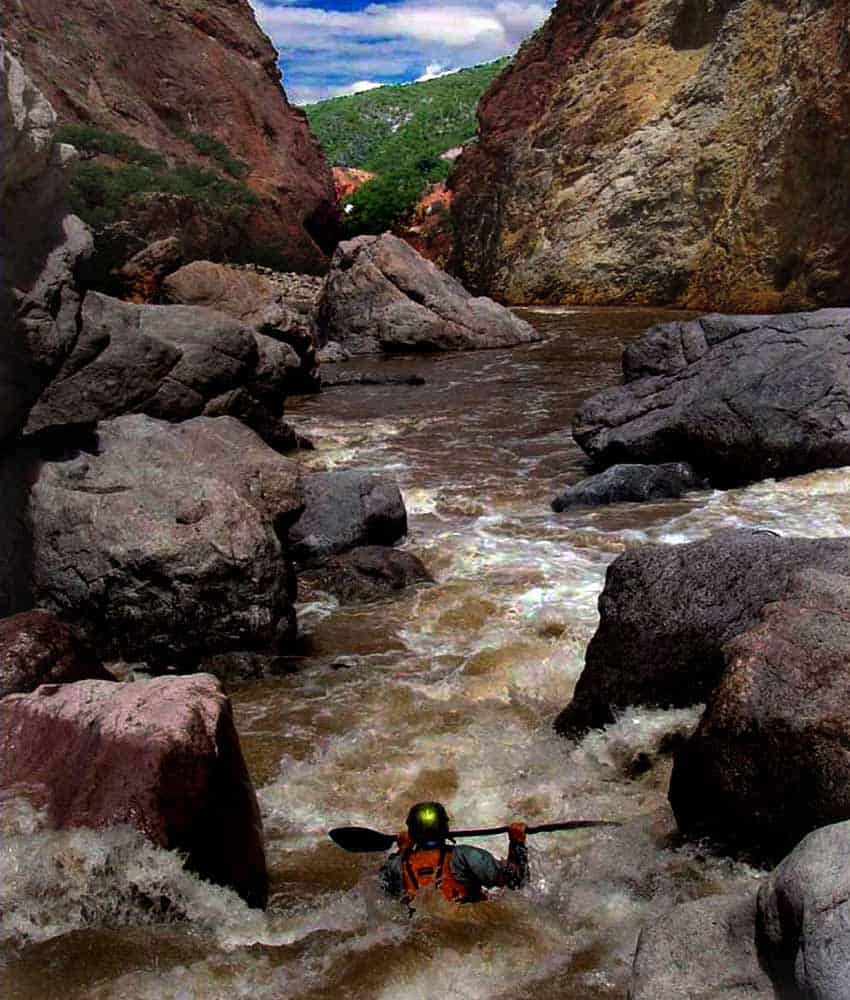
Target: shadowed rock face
<point x="667" y="611"/>
<point x="740" y="397"/>
<point x="770" y="760"/>
<point x="665" y="152"/>
<point x="162" y="756"/>
<point x="206" y="68"/>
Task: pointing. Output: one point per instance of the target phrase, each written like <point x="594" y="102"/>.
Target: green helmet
<point x="427" y="821"/>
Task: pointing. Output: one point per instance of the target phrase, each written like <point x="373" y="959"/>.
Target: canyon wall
<point x="691" y="152"/>
<point x="162" y="71"/>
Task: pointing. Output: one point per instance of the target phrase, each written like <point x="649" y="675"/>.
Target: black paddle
<point x="362" y="839"/>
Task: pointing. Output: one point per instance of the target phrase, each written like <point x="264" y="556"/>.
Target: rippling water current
<point x="448" y="692"/>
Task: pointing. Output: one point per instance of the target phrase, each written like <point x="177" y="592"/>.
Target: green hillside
<point x="399" y="132"/>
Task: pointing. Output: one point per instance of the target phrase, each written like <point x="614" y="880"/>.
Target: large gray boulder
<point x="41" y="246"/>
<point x="667" y="611"/>
<point x="162" y="756"/>
<point x="164" y="539"/>
<point x="381" y="295"/>
<point x="260" y="302"/>
<point x="171" y="362"/>
<point x="343" y="510"/>
<point x="367" y="573"/>
<point x="803" y="925"/>
<point x="741" y="397"/>
<point x="701" y="950"/>
<point x="770" y="760"/>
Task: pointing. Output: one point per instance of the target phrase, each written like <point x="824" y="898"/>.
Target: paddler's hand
<point x="517" y="833"/>
<point x="403" y="840"/>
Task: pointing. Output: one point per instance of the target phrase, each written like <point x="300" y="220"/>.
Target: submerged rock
<point x="366" y="573"/>
<point x="36" y="648"/>
<point x="770" y="760"/>
<point x="667" y="611"/>
<point x="343" y="510"/>
<point x="803" y="927"/>
<point x="164" y="540"/>
<point x="636" y="483"/>
<point x="741" y="397"/>
<point x="381" y="295"/>
<point x="699" y="950"/>
<point x="161" y="755"/>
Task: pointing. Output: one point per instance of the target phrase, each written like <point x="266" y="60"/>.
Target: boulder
<point x="36" y="648"/>
<point x="343" y="510"/>
<point x="163" y="539"/>
<point x="667" y="611"/>
<point x="366" y="573"/>
<point x="161" y="755"/>
<point x="770" y="760"/>
<point x="381" y="295"/>
<point x="741" y="397"/>
<point x="635" y="483"/>
<point x="257" y="301"/>
<point x="41" y="246"/>
<point x="701" y="950"/>
<point x="803" y="924"/>
<point x="140" y="278"/>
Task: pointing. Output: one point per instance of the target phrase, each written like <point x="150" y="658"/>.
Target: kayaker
<point x="460" y="872"/>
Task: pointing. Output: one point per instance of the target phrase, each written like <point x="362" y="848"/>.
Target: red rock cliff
<point x="694" y="152"/>
<point x="158" y="69"/>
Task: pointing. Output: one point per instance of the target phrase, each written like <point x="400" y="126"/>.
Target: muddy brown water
<point x="447" y="692"/>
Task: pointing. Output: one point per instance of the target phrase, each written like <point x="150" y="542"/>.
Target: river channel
<point x="446" y="692"/>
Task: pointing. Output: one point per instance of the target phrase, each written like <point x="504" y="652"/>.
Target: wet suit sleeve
<point x="472" y="864"/>
<point x="390" y="876"/>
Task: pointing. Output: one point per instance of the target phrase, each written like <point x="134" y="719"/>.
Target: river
<point x="446" y="692"/>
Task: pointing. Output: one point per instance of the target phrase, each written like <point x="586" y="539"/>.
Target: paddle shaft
<point x="573" y="824"/>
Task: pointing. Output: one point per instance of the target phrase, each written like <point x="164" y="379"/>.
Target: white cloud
<point x="433" y="70"/>
<point x="359" y="87"/>
<point x="326" y="52"/>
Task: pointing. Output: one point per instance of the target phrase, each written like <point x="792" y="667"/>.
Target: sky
<point x="333" y="47"/>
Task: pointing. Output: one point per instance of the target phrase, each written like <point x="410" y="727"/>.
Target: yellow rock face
<point x="686" y="153"/>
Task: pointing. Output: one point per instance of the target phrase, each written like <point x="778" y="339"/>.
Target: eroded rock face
<point x="36" y="648"/>
<point x="162" y="756"/>
<point x="41" y="246"/>
<point x="163" y="540"/>
<point x="380" y="295"/>
<point x="622" y="158"/>
<point x="635" y="483"/>
<point x="668" y="610"/>
<point x="701" y="949"/>
<point x="742" y="397"/>
<point x="207" y="70"/>
<point x="770" y="760"/>
<point x="346" y="509"/>
<point x="803" y="926"/>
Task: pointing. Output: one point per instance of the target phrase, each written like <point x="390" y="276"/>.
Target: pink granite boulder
<point x="162" y="756"/>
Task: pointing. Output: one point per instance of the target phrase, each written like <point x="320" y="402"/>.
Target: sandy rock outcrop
<point x="742" y="397"/>
<point x="41" y="246"/>
<point x="36" y="648"/>
<point x="207" y="71"/>
<point x="164" y="539"/>
<point x="343" y="510"/>
<point x="667" y="611"/>
<point x="286" y="336"/>
<point x="665" y="152"/>
<point x="162" y="756"/>
<point x="703" y="950"/>
<point x="803" y="927"/>
<point x="770" y="760"/>
<point x="380" y="295"/>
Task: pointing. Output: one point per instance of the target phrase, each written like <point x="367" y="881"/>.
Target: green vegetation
<point x="100" y="191"/>
<point x="399" y="133"/>
<point x="208" y="145"/>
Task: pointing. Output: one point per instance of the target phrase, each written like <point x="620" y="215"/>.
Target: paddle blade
<point x="361" y="839"/>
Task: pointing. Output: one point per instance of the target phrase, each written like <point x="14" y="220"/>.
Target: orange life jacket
<point x="421" y="867"/>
